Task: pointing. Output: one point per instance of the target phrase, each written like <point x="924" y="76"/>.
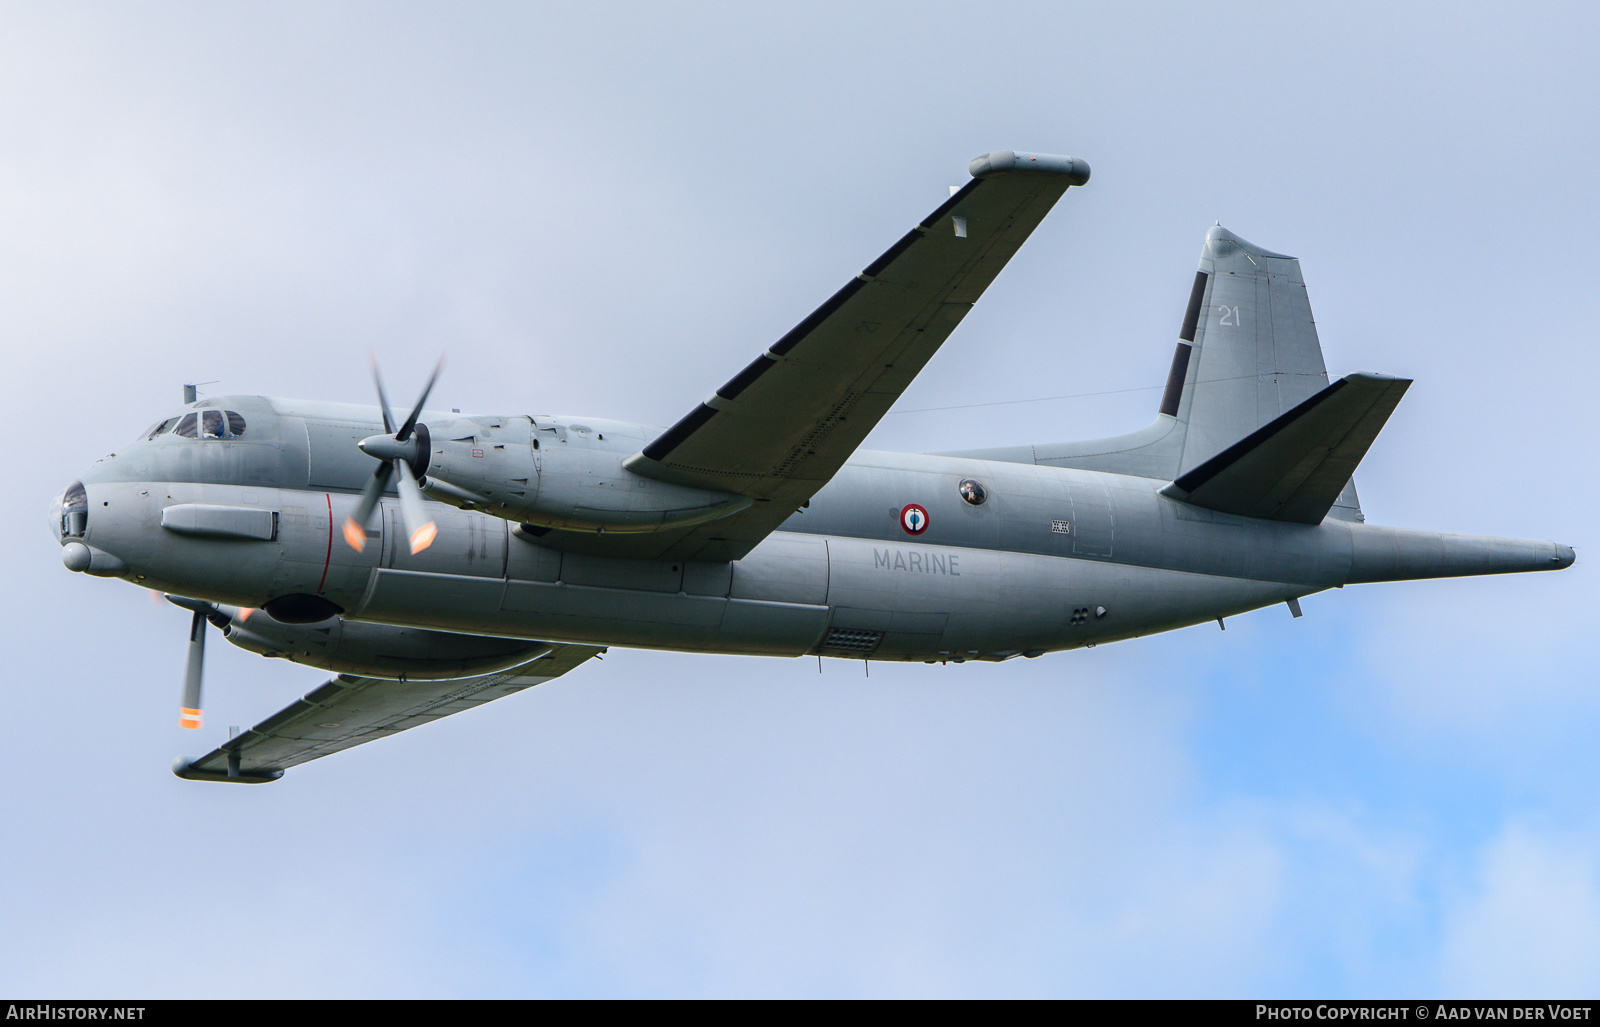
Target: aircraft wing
<point x="351" y="710"/>
<point x="780" y="428"/>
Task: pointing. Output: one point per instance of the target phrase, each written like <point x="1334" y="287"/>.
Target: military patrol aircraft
<point x="442" y="561"/>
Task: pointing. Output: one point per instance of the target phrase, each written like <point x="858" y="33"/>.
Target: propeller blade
<point x="416" y="411"/>
<point x="413" y="512"/>
<point x="419" y="526"/>
<point x="383" y="398"/>
<point x="189" y="713"/>
<point x="355" y="526"/>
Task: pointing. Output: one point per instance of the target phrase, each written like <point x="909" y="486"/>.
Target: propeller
<point x="400" y="453"/>
<point x="189" y="714"/>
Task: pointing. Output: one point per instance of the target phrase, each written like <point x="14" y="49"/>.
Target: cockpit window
<point x="74" y="510"/>
<point x="161" y="429"/>
<point x="207" y="424"/>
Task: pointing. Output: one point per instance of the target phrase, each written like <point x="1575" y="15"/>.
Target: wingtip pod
<point x="1075" y="169"/>
<point x="184" y="767"/>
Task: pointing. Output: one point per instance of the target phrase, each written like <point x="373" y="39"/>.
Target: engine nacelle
<point x="377" y="650"/>
<point x="502" y="470"/>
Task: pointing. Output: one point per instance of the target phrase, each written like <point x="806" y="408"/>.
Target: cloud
<point x="1530" y="923"/>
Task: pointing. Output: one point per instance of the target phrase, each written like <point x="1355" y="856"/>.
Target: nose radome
<point x="76" y="557"/>
<point x="81" y="559"/>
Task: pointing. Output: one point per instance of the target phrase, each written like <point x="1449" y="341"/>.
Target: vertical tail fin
<point x="1247" y="353"/>
<point x="1253" y="348"/>
<point x="1253" y="352"/>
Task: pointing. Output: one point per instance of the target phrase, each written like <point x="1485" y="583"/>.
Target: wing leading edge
<point x="781" y="428"/>
<point x="350" y="711"/>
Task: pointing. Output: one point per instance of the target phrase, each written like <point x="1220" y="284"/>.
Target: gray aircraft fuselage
<point x="436" y="562"/>
<point x="1054" y="557"/>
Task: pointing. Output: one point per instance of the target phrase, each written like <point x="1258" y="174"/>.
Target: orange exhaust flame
<point x="354" y="534"/>
<point x="423" y="537"/>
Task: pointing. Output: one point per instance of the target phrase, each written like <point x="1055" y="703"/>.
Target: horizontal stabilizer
<point x="1294" y="467"/>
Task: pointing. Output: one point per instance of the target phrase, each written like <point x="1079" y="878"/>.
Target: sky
<point x="605" y="210"/>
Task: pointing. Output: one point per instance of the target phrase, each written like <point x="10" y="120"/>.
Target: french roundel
<point x="914" y="519"/>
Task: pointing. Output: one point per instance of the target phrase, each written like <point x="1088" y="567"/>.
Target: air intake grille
<point x="853" y="639"/>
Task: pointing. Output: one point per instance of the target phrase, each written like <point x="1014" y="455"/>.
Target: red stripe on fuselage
<point x="329" y="558"/>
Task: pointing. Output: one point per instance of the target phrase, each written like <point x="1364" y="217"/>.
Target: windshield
<point x="207" y="424"/>
<point x="161" y="429"/>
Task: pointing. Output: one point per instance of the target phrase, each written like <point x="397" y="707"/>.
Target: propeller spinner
<point x="401" y="454"/>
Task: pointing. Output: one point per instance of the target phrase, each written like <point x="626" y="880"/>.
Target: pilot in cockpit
<point x="207" y="424"/>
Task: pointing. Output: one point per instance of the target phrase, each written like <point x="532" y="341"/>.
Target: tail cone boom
<point x="1399" y="554"/>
